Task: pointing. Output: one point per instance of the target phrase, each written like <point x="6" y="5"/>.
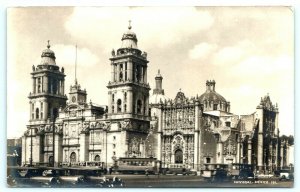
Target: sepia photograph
<point x="150" y="97"/>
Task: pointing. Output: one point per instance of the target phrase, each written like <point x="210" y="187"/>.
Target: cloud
<point x="266" y="65"/>
<point x="201" y="50"/>
<point x="247" y="50"/>
<point x="66" y="56"/>
<point x="154" y="26"/>
<point x="232" y="55"/>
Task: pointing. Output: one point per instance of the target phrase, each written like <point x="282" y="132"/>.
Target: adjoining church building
<point x="180" y="132"/>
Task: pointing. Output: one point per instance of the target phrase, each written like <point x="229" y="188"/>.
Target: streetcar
<point x="138" y="165"/>
<point x="215" y="172"/>
<point x="241" y="171"/>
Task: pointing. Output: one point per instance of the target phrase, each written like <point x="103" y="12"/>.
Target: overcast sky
<point x="248" y="51"/>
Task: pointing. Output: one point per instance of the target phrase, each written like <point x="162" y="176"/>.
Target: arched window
<point x="51" y="161"/>
<point x="113" y="98"/>
<point x="37" y="111"/>
<point x="139" y="106"/>
<point x="112" y="109"/>
<point x="41" y="115"/>
<point x="121" y="76"/>
<point x="39" y="85"/>
<point x="125" y="97"/>
<point x="125" y="108"/>
<point x="73" y="157"/>
<point x="215" y="106"/>
<point x="97" y="158"/>
<point x="119" y="105"/>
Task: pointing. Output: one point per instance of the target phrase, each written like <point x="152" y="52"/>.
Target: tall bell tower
<point x="128" y="90"/>
<point x="48" y="84"/>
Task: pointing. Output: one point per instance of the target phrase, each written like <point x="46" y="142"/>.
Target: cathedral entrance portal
<point x="51" y="161"/>
<point x="73" y="157"/>
<point x="178" y="156"/>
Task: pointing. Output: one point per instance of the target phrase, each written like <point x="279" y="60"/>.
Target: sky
<point x="248" y="51"/>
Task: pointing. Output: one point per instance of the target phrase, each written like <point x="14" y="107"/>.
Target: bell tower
<point x="128" y="94"/>
<point x="128" y="89"/>
<point x="48" y="84"/>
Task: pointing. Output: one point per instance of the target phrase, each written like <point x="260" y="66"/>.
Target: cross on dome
<point x="48" y="46"/>
<point x="129" y="26"/>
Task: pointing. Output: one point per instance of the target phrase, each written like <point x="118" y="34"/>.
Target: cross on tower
<point x="48" y="44"/>
<point x="129" y="26"/>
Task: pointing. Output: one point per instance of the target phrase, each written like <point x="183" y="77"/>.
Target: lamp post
<point x="106" y="149"/>
<point x="30" y="147"/>
<point x="53" y="133"/>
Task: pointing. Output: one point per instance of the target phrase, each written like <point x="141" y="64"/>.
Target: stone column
<point x="196" y="138"/>
<point x="46" y="84"/>
<point x="142" y="74"/>
<point x="24" y="150"/>
<point x="110" y="102"/>
<point x="260" y="144"/>
<point x="124" y="144"/>
<point x="63" y="87"/>
<point x="145" y="75"/>
<point x="159" y="133"/>
<point x="219" y="151"/>
<point x="83" y="147"/>
<point x="281" y="154"/>
<point x="58" y="149"/>
<point x="118" y="72"/>
<point x="287" y="154"/>
<point x="112" y="68"/>
<point x="58" y="87"/>
<point x="129" y="70"/>
<point x="147" y="106"/>
<point x="130" y="101"/>
<point x="270" y="163"/>
<point x="238" y="150"/>
<point x="241" y="152"/>
<point x="37" y="149"/>
<point x="276" y="155"/>
<point x="42" y="84"/>
<point x="249" y="151"/>
<point x="45" y="105"/>
<point x="34" y="85"/>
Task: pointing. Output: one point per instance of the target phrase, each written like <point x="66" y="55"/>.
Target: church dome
<point x="211" y="100"/>
<point x="129" y="39"/>
<point x="48" y="56"/>
<point x="212" y="96"/>
<point x="157" y="98"/>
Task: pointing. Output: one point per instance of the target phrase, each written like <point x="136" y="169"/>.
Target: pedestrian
<point x="147" y="172"/>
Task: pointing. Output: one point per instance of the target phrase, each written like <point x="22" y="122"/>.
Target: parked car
<point x="286" y="175"/>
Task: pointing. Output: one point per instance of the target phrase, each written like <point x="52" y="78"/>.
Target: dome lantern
<point x="48" y="56"/>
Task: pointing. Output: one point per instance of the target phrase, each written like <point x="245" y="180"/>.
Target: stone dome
<point x="129" y="39"/>
<point x="211" y="96"/>
<point x="48" y="56"/>
<point x="156" y="98"/>
<point x="211" y="100"/>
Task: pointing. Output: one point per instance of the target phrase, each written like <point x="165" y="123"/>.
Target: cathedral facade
<point x="181" y="132"/>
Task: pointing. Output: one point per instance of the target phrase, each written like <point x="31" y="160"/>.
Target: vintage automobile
<point x="286" y="175"/>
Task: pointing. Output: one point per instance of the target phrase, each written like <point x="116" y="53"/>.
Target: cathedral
<point x="181" y="132"/>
